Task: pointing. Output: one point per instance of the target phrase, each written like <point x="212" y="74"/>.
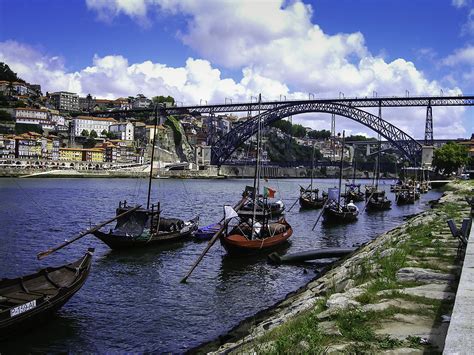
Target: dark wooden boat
<point x="378" y="203"/>
<point x="241" y="241"/>
<point x="339" y="213"/>
<point x="310" y="199"/>
<point x="405" y="196"/>
<point x="144" y="227"/>
<point x="353" y="193"/>
<point x="335" y="211"/>
<point x="29" y="300"/>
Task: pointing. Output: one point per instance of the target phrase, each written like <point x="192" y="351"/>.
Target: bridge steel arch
<point x="223" y="148"/>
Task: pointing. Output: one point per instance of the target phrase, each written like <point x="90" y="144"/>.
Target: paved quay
<point x="394" y="295"/>
<point x="460" y="338"/>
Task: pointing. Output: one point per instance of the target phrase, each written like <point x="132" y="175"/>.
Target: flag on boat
<point x="333" y="193"/>
<point x="229" y="213"/>
<point x="268" y="192"/>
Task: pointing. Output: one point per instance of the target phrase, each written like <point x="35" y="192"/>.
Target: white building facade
<point x="88" y="123"/>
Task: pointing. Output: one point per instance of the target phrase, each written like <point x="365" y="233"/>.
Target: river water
<point x="133" y="301"/>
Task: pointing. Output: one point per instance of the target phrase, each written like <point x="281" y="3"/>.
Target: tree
<point x="298" y="130"/>
<point x="5" y="116"/>
<point x="7" y="74"/>
<point x="283" y="126"/>
<point x="93" y="134"/>
<point x="324" y="134"/>
<point x="104" y="133"/>
<point x="450" y="157"/>
<point x="85" y="133"/>
<point x="161" y="99"/>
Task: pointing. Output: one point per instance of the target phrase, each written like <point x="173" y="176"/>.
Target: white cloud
<point x="277" y="47"/>
<point x="461" y="56"/>
<point x="460" y="3"/>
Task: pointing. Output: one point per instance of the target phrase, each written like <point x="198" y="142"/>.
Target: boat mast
<point x="340" y="172"/>
<point x="312" y="168"/>
<point x="152" y="156"/>
<point x="378" y="166"/>
<point x="256" y="180"/>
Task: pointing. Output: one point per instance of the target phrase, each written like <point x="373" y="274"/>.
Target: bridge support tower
<point x="429" y="125"/>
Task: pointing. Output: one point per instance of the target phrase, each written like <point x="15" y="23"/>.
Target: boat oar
<point x="212" y="241"/>
<point x="293" y="205"/>
<point x="325" y="203"/>
<point x="368" y="200"/>
<point x="82" y="234"/>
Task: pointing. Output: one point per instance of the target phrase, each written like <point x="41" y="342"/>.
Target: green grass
<point x="303" y="335"/>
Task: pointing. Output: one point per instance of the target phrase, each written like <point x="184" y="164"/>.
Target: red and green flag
<point x="268" y="192"/>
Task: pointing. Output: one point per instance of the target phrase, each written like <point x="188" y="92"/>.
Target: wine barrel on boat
<point x="28" y="300"/>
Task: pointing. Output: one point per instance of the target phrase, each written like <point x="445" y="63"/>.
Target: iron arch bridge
<point x="223" y="148"/>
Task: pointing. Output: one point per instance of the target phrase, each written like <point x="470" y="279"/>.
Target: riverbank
<point x="208" y="172"/>
<point x="395" y="295"/>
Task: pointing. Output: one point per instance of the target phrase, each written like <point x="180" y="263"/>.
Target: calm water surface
<point x="133" y="301"/>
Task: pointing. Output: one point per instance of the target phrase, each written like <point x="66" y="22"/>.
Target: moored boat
<point x="207" y="232"/>
<point x="145" y="227"/>
<point x="245" y="239"/>
<point x="28" y="300"/>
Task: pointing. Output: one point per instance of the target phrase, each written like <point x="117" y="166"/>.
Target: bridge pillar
<point x="429" y="125"/>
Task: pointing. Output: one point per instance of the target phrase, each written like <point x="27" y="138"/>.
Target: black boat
<point x="309" y="198"/>
<point x="335" y="211"/>
<point x="145" y="226"/>
<point x="405" y="196"/>
<point x="376" y="199"/>
<point x="353" y="193"/>
<point x="378" y="203"/>
<point x="340" y="213"/>
<point x="28" y="300"/>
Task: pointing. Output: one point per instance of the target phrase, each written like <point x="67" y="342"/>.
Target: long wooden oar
<point x="212" y="241"/>
<point x="368" y="200"/>
<point x="82" y="234"/>
<point x="293" y="205"/>
<point x="325" y="203"/>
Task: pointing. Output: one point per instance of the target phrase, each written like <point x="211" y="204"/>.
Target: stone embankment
<point x="394" y="295"/>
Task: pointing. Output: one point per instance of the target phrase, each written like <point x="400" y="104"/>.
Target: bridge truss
<point x="223" y="148"/>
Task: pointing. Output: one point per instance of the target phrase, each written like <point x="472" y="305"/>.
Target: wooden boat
<point x="249" y="236"/>
<point x="339" y="213"/>
<point x="405" y="196"/>
<point x="207" y="232"/>
<point x="335" y="211"/>
<point x="378" y="203"/>
<point x="376" y="199"/>
<point x="243" y="239"/>
<point x="28" y="300"/>
<point x="144" y="227"/>
<point x="273" y="209"/>
<point x="353" y="193"/>
<point x="310" y="199"/>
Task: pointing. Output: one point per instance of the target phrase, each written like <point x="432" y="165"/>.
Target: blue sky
<point x="211" y="49"/>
